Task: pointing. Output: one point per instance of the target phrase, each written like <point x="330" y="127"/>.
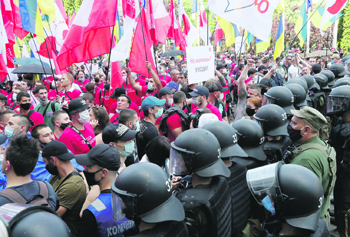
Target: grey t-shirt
<point x="241" y="107"/>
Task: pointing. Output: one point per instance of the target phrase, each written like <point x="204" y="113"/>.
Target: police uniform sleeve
<point x="88" y="224"/>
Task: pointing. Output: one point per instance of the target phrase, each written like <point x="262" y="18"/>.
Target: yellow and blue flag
<point x="261" y="46"/>
<point x="231" y="31"/>
<point x="300" y="25"/>
<point x="279" y="45"/>
<point x="31" y="17"/>
<point x="248" y="38"/>
<point x="47" y="7"/>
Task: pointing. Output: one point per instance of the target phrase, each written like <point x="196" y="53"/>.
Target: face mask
<point x="97" y="80"/>
<point x="52" y="169"/>
<point x="268" y="205"/>
<point x="42" y="144"/>
<point x="159" y="113"/>
<point x="170" y="102"/>
<point x="160" y="71"/>
<point x="184" y="70"/>
<point x="184" y="105"/>
<point x="107" y="86"/>
<point x="263" y="91"/>
<point x="90" y="177"/>
<point x="264" y="72"/>
<point x="43" y="101"/>
<point x="25" y="106"/>
<point x="332" y="61"/>
<point x="224" y="71"/>
<point x="118" y="111"/>
<point x="150" y="86"/>
<point x="53" y="84"/>
<point x="9" y="131"/>
<point x="281" y="63"/>
<point x="63" y="126"/>
<point x="81" y="79"/>
<point x="294" y="134"/>
<point x="138" y="126"/>
<point x="221" y="96"/>
<point x="124" y="78"/>
<point x="14" y="97"/>
<point x="129" y="148"/>
<point x="250" y="111"/>
<point x="84" y="117"/>
<point x="195" y="101"/>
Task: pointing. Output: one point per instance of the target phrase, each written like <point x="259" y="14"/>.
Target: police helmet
<point x="338" y="70"/>
<point x="339" y="100"/>
<point x="197" y="151"/>
<point x="311" y="82"/>
<point x="293" y="192"/>
<point x="143" y="191"/>
<point x="322" y="80"/>
<point x="273" y="120"/>
<point x="251" y="139"/>
<point x="299" y="94"/>
<point x="31" y="221"/>
<point x="281" y="96"/>
<point x="330" y="75"/>
<point x="228" y="138"/>
<point x="342" y="82"/>
<point x="299" y="80"/>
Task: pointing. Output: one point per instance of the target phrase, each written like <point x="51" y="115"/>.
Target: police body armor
<point x="319" y="102"/>
<point x="274" y="150"/>
<point x="240" y="196"/>
<point x="174" y="110"/>
<point x="215" y="202"/>
<point x="166" y="229"/>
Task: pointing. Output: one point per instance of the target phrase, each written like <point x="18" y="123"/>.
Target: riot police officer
<point x="142" y="193"/>
<point x="339" y="105"/>
<point x="228" y="138"/>
<point x="299" y="95"/>
<point x="311" y="82"/>
<point x="31" y="221"/>
<point x="319" y="97"/>
<point x="330" y="76"/>
<point x="338" y="70"/>
<point x="281" y="96"/>
<point x="342" y="82"/>
<point x="273" y="121"/>
<point x="207" y="201"/>
<point x="292" y="195"/>
<point x="301" y="81"/>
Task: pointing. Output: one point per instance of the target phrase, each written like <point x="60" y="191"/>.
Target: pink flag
<point x="162" y="20"/>
<point x="116" y="77"/>
<point x="175" y="31"/>
<point x="190" y="30"/>
<point x="141" y="49"/>
<point x="219" y="33"/>
<point x="61" y="7"/>
<point x="72" y="19"/>
<point x="3" y="70"/>
<point x="90" y="35"/>
<point x="203" y="26"/>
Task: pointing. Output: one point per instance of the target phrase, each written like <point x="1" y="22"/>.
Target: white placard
<point x="200" y="63"/>
<point x="239" y="45"/>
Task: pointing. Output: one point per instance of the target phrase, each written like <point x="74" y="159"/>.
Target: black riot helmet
<point x="322" y="80"/>
<point x="228" y="138"/>
<point x="299" y="94"/>
<point x="273" y="120"/>
<point x="251" y="139"/>
<point x="143" y="191"/>
<point x="339" y="100"/>
<point x="32" y="221"/>
<point x="330" y="76"/>
<point x="342" y="82"/>
<point x="197" y="151"/>
<point x="281" y="96"/>
<point x="311" y="83"/>
<point x="299" y="80"/>
<point x="293" y="192"/>
<point x="338" y="70"/>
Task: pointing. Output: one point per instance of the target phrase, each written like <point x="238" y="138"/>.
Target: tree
<point x="345" y="41"/>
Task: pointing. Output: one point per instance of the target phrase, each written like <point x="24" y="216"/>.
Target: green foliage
<point x="340" y="30"/>
<point x="69" y="5"/>
<point x="345" y="41"/>
<point x="77" y="5"/>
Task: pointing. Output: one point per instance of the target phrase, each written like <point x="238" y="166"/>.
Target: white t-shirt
<point x="293" y="70"/>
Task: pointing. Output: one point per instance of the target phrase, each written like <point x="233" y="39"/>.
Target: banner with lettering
<point x="200" y="63"/>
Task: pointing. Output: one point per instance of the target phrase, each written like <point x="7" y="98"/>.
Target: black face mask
<point x="184" y="105"/>
<point x="97" y="80"/>
<point x="63" y="126"/>
<point x="107" y="86"/>
<point x="265" y="72"/>
<point x="294" y="134"/>
<point x="263" y="91"/>
<point x="90" y="177"/>
<point x="52" y="169"/>
<point x="250" y="111"/>
<point x="25" y="106"/>
<point x="341" y="54"/>
<point x="42" y="144"/>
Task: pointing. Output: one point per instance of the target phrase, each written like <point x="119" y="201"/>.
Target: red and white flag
<point x="333" y="7"/>
<point x="90" y="35"/>
<point x="203" y="26"/>
<point x="161" y="21"/>
<point x="142" y="47"/>
<point x="3" y="70"/>
<point x="62" y="10"/>
<point x="190" y="30"/>
<point x="219" y="33"/>
<point x="3" y="39"/>
<point x="175" y="31"/>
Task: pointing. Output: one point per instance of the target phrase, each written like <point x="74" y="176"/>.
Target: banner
<point x="200" y="61"/>
<point x="239" y="45"/>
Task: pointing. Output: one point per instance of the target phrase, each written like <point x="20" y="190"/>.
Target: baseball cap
<point x="77" y="105"/>
<point x="313" y="116"/>
<point x="164" y="91"/>
<point x="172" y="85"/>
<point x="219" y="66"/>
<point x="265" y="83"/>
<point x="316" y="68"/>
<point x="117" y="92"/>
<point x="103" y="155"/>
<point x="150" y="102"/>
<point x="262" y="67"/>
<point x="58" y="149"/>
<point x="335" y="56"/>
<point x="216" y="86"/>
<point x="117" y="132"/>
<point x="200" y="90"/>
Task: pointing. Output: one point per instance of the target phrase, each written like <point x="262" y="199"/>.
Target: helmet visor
<point x="337" y="104"/>
<point x="180" y="162"/>
<point x="267" y="101"/>
<point x="262" y="182"/>
<point x="124" y="206"/>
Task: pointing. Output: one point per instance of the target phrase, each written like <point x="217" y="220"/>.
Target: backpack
<point x="38" y="200"/>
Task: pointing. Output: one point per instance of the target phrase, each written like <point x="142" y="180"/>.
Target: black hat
<point x="165" y="91"/>
<point x="265" y="83"/>
<point x="118" y="92"/>
<point x="77" y="105"/>
<point x="58" y="149"/>
<point x="200" y="90"/>
<point x="262" y="67"/>
<point x="117" y="132"/>
<point x="103" y="155"/>
<point x="3" y="138"/>
<point x="316" y="68"/>
<point x="216" y="86"/>
<point x="219" y="66"/>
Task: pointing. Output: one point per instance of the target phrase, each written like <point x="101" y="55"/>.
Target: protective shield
<point x="124" y="205"/>
<point x="337" y="104"/>
<point x="180" y="161"/>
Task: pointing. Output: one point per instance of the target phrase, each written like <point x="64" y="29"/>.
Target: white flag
<point x="25" y="53"/>
<point x="333" y="7"/>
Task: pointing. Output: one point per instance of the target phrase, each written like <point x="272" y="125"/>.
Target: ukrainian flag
<point x="118" y="32"/>
<point x="279" y="45"/>
<point x="31" y="17"/>
<point x="249" y="38"/>
<point x="317" y="18"/>
<point x="301" y="21"/>
<point x="47" y="7"/>
<point x="231" y="31"/>
<point x="261" y="46"/>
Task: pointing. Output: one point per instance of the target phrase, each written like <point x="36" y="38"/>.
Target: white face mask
<point x="170" y="102"/>
<point x="224" y="71"/>
<point x="53" y="84"/>
<point x="124" y="78"/>
<point x="195" y="101"/>
<point x="221" y="96"/>
<point x="84" y="117"/>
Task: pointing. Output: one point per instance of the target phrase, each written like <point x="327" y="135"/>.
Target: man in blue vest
<point x="102" y="165"/>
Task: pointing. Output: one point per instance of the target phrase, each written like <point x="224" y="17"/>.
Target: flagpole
<point x="335" y="30"/>
<point x="110" y="52"/>
<point x="308" y="34"/>
<point x="239" y="53"/>
<point x="36" y="48"/>
<point x="143" y="35"/>
<point x="198" y="15"/>
<point x="48" y="54"/>
<point x="208" y="25"/>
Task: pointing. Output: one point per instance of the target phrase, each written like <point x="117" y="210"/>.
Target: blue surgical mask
<point x="159" y="113"/>
<point x="14" y="97"/>
<point x="268" y="205"/>
<point x="138" y="126"/>
<point x="43" y="101"/>
<point x="81" y="79"/>
<point x="8" y="131"/>
<point x="332" y="61"/>
<point x="129" y="148"/>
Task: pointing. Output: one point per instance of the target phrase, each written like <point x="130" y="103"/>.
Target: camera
<point x="195" y="117"/>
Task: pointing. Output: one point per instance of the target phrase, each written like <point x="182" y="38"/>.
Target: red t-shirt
<point x="73" y="94"/>
<point x="165" y="78"/>
<point x="173" y="122"/>
<point x="82" y="84"/>
<point x="114" y="117"/>
<point x="75" y="143"/>
<point x="107" y="101"/>
<point x="37" y="118"/>
<point x="100" y="86"/>
<point x="213" y="109"/>
<point x="146" y="94"/>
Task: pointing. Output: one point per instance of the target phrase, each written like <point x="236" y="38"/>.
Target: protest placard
<point x="200" y="63"/>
